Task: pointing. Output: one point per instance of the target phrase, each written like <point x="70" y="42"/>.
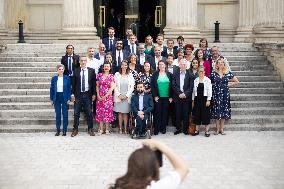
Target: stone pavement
<point x="246" y="159"/>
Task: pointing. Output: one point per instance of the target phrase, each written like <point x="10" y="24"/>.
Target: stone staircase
<point x="25" y="73"/>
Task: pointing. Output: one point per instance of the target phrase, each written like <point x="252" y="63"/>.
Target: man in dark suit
<point x="142" y="57"/>
<point x="158" y="57"/>
<point x="182" y="86"/>
<point x="126" y="41"/>
<point x="180" y="43"/>
<point x="70" y="61"/>
<point x="118" y="55"/>
<point x="141" y="106"/>
<point x="132" y="47"/>
<point x="170" y="64"/>
<point x="83" y="93"/>
<point x="169" y="49"/>
<point x="110" y="40"/>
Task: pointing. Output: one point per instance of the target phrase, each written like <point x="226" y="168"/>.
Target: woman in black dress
<point x="202" y="93"/>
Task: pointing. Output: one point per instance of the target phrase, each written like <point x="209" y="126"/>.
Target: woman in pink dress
<point x="104" y="108"/>
<point x="203" y="63"/>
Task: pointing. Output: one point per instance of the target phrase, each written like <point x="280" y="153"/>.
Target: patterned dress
<point x="221" y="96"/>
<point x="104" y="109"/>
<point x="145" y="79"/>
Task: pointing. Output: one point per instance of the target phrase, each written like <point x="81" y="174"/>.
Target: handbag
<point x="192" y="126"/>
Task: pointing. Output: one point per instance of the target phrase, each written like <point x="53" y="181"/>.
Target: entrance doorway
<point x="143" y="17"/>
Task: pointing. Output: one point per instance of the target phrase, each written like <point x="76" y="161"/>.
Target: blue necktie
<point x="110" y="44"/>
<point x="83" y="81"/>
<point x="132" y="49"/>
<point x="118" y="59"/>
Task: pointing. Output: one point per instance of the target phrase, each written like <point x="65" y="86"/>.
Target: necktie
<point x="69" y="65"/>
<point x="132" y="50"/>
<point x="110" y="44"/>
<point x="118" y="59"/>
<point x="83" y="81"/>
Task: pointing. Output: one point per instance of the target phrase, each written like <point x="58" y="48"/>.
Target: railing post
<point x="217" y="40"/>
<point x="21" y="32"/>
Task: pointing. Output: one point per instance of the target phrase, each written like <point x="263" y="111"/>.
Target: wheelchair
<point x="133" y="130"/>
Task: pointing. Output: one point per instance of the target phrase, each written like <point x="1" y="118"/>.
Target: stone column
<point x="181" y="19"/>
<point x="2" y="18"/>
<point x="78" y="20"/>
<point x="269" y="26"/>
<point x="246" y="21"/>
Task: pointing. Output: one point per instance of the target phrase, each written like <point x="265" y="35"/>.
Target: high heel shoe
<point x="196" y="133"/>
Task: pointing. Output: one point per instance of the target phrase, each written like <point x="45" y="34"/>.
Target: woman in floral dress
<point x="145" y="76"/>
<point x="221" y="79"/>
<point x="104" y="108"/>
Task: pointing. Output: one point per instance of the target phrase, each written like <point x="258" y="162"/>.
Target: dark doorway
<point x="143" y="17"/>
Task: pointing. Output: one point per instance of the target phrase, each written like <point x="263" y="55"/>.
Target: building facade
<point x="51" y="21"/>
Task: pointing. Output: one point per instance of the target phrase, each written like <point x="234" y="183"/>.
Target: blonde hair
<point x="225" y="70"/>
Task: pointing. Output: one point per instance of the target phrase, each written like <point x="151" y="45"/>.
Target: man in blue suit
<point x="132" y="47"/>
<point x="110" y="40"/>
<point x="118" y="55"/>
<point x="141" y="106"/>
<point x="70" y="61"/>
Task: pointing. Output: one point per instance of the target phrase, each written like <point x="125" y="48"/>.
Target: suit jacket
<point x="165" y="53"/>
<point x="154" y="64"/>
<point x="75" y="64"/>
<point x="154" y="84"/>
<point x="116" y="67"/>
<point x="66" y="88"/>
<point x="105" y="41"/>
<point x="128" y="48"/>
<point x="97" y="56"/>
<point x="125" y="43"/>
<point x="149" y="59"/>
<point x="187" y="86"/>
<point x="148" y="104"/>
<point x="76" y="82"/>
<point x="175" y="69"/>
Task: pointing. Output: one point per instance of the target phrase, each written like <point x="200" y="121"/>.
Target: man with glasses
<point x="119" y="54"/>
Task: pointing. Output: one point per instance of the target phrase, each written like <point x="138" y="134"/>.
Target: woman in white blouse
<point x="143" y="168"/>
<point x="124" y="87"/>
<point x="201" y="97"/>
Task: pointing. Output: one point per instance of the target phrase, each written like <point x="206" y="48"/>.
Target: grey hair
<point x="60" y="66"/>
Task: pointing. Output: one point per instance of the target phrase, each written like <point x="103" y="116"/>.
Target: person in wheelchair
<point x="141" y="107"/>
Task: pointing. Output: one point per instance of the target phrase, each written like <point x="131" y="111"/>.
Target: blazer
<point x="130" y="88"/>
<point x="125" y="55"/>
<point x="128" y="48"/>
<point x="187" y="86"/>
<point x="165" y="53"/>
<point x="154" y="84"/>
<point x="105" y="41"/>
<point x="76" y="82"/>
<point x="75" y="64"/>
<point x="125" y="43"/>
<point x="154" y="64"/>
<point x="207" y="88"/>
<point x="148" y="58"/>
<point x="148" y="104"/>
<point x="66" y="88"/>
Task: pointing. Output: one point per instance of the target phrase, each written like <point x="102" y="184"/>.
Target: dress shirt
<point x="171" y="69"/>
<point x="133" y="48"/>
<point x="70" y="64"/>
<point x="141" y="96"/>
<point x="142" y="59"/>
<point x="94" y="64"/>
<point x="121" y="56"/>
<point x="86" y="79"/>
<point x="157" y="60"/>
<point x="181" y="81"/>
<point x="170" y="51"/>
<point x="60" y="84"/>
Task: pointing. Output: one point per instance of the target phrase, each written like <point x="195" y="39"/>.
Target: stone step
<point x="256" y="73"/>
<point x="257" y="97"/>
<point x="257" y="119"/>
<point x="254" y="104"/>
<point x="25" y="98"/>
<point x="28" y="69"/>
<point x="272" y="84"/>
<point x="30" y="59"/>
<point x="259" y="111"/>
<point x="7" y="92"/>
<point x="257" y="90"/>
<point x="36" y="121"/>
<point x="27" y="74"/>
<point x="24" y="85"/>
<point x="268" y="68"/>
<point x="29" y="64"/>
<point x="244" y="63"/>
<point x="258" y="78"/>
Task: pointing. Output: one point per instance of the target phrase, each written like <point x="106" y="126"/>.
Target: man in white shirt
<point x="180" y="55"/>
<point x="158" y="56"/>
<point x="91" y="61"/>
<point x="100" y="56"/>
<point x="215" y="55"/>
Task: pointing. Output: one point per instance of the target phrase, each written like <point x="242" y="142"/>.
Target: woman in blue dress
<point x="221" y="79"/>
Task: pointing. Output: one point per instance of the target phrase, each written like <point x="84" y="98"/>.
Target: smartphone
<point x="159" y="156"/>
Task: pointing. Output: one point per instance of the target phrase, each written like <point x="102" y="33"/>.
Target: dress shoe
<point x="57" y="133"/>
<point x="177" y="132"/>
<point x="196" y="133"/>
<point x="64" y="133"/>
<point x="207" y="134"/>
<point x="163" y="132"/>
<point x="74" y="132"/>
<point x="91" y="132"/>
<point x="156" y="133"/>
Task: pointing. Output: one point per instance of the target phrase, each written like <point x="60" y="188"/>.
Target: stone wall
<point x="275" y="55"/>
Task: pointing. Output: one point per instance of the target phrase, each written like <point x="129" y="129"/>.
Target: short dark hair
<point x="180" y="37"/>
